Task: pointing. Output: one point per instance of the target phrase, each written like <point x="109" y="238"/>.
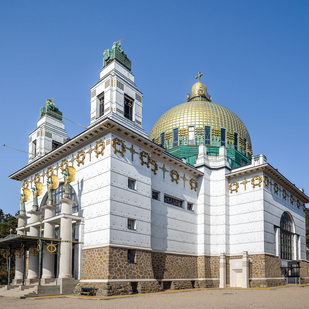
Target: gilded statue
<point x="67" y="181"/>
<point x="50" y="189"/>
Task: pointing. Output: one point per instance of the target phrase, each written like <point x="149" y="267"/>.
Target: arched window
<point x="286" y="236"/>
<point x="58" y="195"/>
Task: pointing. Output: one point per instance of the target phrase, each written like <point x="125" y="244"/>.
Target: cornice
<point x="100" y="129"/>
<point x="275" y="175"/>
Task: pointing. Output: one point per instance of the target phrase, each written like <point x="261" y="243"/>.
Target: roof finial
<point x="199" y="74"/>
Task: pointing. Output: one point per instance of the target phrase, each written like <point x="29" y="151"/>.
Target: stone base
<point x="201" y="284"/>
<point x="17" y="281"/>
<point x="266" y="283"/>
<point x="67" y="285"/>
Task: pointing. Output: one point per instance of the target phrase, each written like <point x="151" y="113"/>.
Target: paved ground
<point x="283" y="297"/>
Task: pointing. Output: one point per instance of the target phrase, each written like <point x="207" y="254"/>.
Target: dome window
<point x="236" y="141"/>
<point x="175" y="137"/>
<point x="222" y="137"/>
<point x="207" y="135"/>
<point x="191" y="135"/>
<point x="162" y="139"/>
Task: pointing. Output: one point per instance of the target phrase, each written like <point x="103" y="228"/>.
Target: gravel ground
<point x="283" y="297"/>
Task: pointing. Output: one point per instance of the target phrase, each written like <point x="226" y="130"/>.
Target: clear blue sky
<point x="254" y="56"/>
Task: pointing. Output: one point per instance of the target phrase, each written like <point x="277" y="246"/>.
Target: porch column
<point x="222" y="271"/>
<point x="65" y="267"/>
<point x="22" y="221"/>
<point x="245" y="270"/>
<point x="49" y="232"/>
<point x="33" y="264"/>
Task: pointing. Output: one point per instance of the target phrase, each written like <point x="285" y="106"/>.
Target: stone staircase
<point x="49" y="287"/>
<point x="16" y="290"/>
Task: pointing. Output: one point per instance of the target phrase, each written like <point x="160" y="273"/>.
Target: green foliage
<point x="8" y="224"/>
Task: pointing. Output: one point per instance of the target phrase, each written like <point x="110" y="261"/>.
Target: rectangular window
<point x="207" y="135"/>
<point x="236" y="141"/>
<point x="222" y="137"/>
<point x="191" y="135"/>
<point x="34" y="148"/>
<point x="131" y="256"/>
<point x="172" y="201"/>
<point x="131" y="224"/>
<point x="101" y="104"/>
<point x="175" y="137"/>
<point x="155" y="195"/>
<point x="128" y="107"/>
<point x="131" y="184"/>
<point x="162" y="139"/>
<point x="190" y="206"/>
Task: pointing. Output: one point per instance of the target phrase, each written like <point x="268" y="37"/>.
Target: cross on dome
<point x="199" y="74"/>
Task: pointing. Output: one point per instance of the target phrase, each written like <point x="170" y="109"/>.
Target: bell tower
<point x="115" y="95"/>
<point x="50" y="132"/>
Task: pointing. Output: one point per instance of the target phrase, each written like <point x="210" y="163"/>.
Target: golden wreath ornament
<point x="266" y="182"/>
<point x="142" y="155"/>
<point x="276" y="188"/>
<point x="50" y="172"/>
<point x="155" y="166"/>
<point x="51" y="248"/>
<point x="19" y="253"/>
<point x="99" y="148"/>
<point x="25" y="184"/>
<point x="7" y="253"/>
<point x="256" y="181"/>
<point x="174" y="176"/>
<point x="37" y="178"/>
<point x="234" y="186"/>
<point x="33" y="250"/>
<point x="64" y="165"/>
<point x="81" y="155"/>
<point x="298" y="204"/>
<point x="193" y="184"/>
<point x="304" y="208"/>
<point x="291" y="199"/>
<point x="284" y="194"/>
<point x="116" y="141"/>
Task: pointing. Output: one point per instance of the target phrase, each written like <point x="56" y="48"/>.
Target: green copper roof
<point x="116" y="53"/>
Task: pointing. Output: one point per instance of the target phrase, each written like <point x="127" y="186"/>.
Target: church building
<point x="115" y="211"/>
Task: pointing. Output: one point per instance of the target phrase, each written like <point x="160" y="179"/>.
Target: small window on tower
<point x="55" y="145"/>
<point x="222" y="137"/>
<point x="191" y="135"/>
<point x="128" y="107"/>
<point x="34" y="148"/>
<point x="175" y="137"/>
<point x="101" y="104"/>
<point x="207" y="135"/>
<point x="131" y="224"/>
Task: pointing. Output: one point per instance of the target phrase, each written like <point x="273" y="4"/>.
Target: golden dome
<point x="199" y="113"/>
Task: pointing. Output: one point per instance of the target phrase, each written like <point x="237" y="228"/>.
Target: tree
<point x="8" y="224"/>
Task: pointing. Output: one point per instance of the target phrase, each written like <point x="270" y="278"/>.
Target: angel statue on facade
<point x="35" y="191"/>
<point x="67" y="182"/>
<point x="50" y="189"/>
<point x="22" y="201"/>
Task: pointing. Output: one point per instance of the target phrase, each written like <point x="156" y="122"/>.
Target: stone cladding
<point x="174" y="266"/>
<point x="111" y="263"/>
